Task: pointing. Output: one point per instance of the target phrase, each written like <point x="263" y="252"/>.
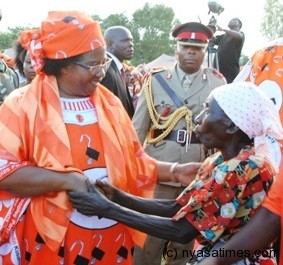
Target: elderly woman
<point x="229" y="186"/>
<point x="57" y="132"/>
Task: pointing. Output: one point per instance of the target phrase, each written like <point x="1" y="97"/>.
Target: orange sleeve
<point x="273" y="201"/>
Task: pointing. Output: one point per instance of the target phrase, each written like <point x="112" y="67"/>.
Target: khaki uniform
<point x="169" y="150"/>
<point x="9" y="80"/>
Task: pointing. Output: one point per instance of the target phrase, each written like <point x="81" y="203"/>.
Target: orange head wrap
<point x="62" y="35"/>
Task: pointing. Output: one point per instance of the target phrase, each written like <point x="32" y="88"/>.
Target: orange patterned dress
<point x="31" y="228"/>
<point x="265" y="69"/>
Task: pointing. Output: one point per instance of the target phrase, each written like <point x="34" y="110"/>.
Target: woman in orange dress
<point x="56" y="133"/>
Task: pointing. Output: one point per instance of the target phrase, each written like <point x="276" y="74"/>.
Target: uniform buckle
<point x="181" y="136"/>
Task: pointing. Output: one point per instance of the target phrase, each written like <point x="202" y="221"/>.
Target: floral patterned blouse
<point x="224" y="195"/>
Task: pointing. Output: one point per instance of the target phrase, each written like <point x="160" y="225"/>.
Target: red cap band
<point x="192" y="35"/>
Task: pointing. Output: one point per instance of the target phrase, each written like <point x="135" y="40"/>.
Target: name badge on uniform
<point x="168" y="76"/>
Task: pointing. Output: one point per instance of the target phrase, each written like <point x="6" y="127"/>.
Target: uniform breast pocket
<point x="156" y="150"/>
<point x="164" y="107"/>
<point x="195" y="104"/>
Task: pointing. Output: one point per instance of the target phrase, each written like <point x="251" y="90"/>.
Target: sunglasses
<point x="96" y="69"/>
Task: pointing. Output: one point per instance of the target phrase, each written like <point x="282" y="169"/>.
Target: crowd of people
<point x="102" y="162"/>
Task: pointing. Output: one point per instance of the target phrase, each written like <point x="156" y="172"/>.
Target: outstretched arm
<point x="265" y="225"/>
<point x="233" y="33"/>
<point x="94" y="203"/>
<point x="165" y="208"/>
<point x="30" y="181"/>
<point x="183" y="173"/>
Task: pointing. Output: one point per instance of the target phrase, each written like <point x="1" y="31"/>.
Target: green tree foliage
<point x="113" y="20"/>
<point x="116" y="20"/>
<point x="6" y="40"/>
<point x="151" y="28"/>
<point x="243" y="59"/>
<point x="272" y="25"/>
<point x="9" y="38"/>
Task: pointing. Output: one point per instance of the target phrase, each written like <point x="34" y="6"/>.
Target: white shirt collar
<point x="182" y="74"/>
<point x="115" y="59"/>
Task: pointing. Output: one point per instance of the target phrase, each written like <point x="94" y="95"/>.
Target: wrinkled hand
<point x="108" y="190"/>
<point x="89" y="203"/>
<point x="187" y="172"/>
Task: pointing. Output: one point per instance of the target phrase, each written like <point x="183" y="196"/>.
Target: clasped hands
<point x="96" y="201"/>
<point x="100" y="195"/>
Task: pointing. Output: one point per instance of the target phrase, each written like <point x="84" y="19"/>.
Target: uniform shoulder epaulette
<point x="157" y="70"/>
<point x="216" y="73"/>
<point x="154" y="71"/>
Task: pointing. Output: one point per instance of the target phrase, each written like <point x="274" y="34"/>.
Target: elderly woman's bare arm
<point x="162" y="227"/>
<point x="94" y="203"/>
<point x="31" y="181"/>
<point x="160" y="207"/>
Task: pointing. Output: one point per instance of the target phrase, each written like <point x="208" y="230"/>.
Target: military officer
<point x="164" y="119"/>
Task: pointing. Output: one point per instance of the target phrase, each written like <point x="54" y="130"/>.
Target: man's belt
<point x="178" y="136"/>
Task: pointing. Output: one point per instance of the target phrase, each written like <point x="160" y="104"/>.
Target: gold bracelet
<point x="172" y="171"/>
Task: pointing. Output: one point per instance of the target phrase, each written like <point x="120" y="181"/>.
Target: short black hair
<point x="54" y="66"/>
<point x="240" y="23"/>
<point x="20" y="57"/>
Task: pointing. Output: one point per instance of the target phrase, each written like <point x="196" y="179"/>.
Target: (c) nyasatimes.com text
<point x="220" y="252"/>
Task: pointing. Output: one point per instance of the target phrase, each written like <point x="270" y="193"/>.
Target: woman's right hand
<point x="77" y="181"/>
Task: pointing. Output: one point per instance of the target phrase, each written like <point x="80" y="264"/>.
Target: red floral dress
<point x="222" y="199"/>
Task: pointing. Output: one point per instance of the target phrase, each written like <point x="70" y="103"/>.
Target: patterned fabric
<point x="256" y="116"/>
<point x="38" y="106"/>
<point x="88" y="239"/>
<point x="58" y="37"/>
<point x="265" y="70"/>
<point x="224" y="195"/>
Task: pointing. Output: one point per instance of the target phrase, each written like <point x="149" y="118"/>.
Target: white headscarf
<point x="253" y="112"/>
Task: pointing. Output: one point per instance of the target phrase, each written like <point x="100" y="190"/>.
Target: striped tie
<point x="123" y="76"/>
<point x="187" y="81"/>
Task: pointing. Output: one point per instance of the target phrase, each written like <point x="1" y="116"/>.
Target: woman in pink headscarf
<point x="57" y="132"/>
<point x="237" y="120"/>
